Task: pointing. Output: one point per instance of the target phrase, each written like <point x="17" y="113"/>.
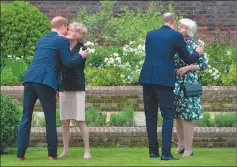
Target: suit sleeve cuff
<point x="78" y="56"/>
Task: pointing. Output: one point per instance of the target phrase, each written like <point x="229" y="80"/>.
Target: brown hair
<point x="58" y="21"/>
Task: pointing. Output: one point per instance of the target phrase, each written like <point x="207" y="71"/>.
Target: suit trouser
<point x="47" y="97"/>
<point x="152" y="96"/>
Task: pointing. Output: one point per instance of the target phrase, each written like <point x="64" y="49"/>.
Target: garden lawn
<point x="122" y="157"/>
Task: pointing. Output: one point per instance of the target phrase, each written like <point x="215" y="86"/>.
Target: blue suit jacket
<point x="161" y="46"/>
<point x="51" y="51"/>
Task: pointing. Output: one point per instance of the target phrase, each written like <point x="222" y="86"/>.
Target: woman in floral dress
<point x="187" y="109"/>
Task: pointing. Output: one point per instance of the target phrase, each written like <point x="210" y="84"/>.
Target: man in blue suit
<point x="158" y="80"/>
<point x="41" y="82"/>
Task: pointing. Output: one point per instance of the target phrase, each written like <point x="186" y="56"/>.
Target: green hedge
<point x="21" y="25"/>
<point x="10" y="119"/>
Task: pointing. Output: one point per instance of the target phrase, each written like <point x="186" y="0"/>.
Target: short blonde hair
<point x="191" y="26"/>
<point x="80" y="30"/>
<point x="58" y="21"/>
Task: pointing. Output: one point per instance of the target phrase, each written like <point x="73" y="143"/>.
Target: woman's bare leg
<point x="188" y="137"/>
<point x="180" y="134"/>
<point x="85" y="137"/>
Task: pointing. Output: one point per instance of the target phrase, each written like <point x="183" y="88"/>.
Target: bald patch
<point x="58" y="21"/>
<point x="169" y="18"/>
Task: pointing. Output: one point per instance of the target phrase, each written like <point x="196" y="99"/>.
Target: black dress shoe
<point x="168" y="158"/>
<point x="154" y="155"/>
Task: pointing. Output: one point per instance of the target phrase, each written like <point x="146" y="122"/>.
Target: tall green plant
<point x="124" y="118"/>
<point x="128" y="25"/>
<point x="101" y="25"/>
<point x="95" y="118"/>
<point x="18" y="67"/>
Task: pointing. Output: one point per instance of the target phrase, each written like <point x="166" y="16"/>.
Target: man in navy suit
<point x="158" y="80"/>
<point x="41" y="82"/>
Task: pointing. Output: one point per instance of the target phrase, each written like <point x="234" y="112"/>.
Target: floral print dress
<point x="188" y="108"/>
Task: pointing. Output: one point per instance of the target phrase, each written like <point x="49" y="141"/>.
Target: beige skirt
<point x="72" y="105"/>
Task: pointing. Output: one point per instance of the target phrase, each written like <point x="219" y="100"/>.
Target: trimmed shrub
<point x="206" y="121"/>
<point x="95" y="118"/>
<point x="124" y="118"/>
<point x="22" y="25"/>
<point x="230" y="78"/>
<point x="225" y="120"/>
<point x="10" y="118"/>
<point x="103" y="77"/>
<point x="7" y="77"/>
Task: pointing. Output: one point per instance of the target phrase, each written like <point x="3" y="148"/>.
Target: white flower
<point x="111" y="59"/>
<point x="106" y="59"/>
<point x="216" y="77"/>
<point x="9" y="56"/>
<point x="17" y="58"/>
<point x="88" y="43"/>
<point x="118" y="59"/>
<point x="116" y="54"/>
<point x="92" y="50"/>
<point x="229" y="52"/>
<point x="122" y="76"/>
<point x="132" y="42"/>
<point x="210" y="71"/>
<point x="132" y="50"/>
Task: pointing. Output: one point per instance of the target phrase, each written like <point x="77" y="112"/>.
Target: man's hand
<point x="84" y="53"/>
<point x="182" y="70"/>
<point x="200" y="50"/>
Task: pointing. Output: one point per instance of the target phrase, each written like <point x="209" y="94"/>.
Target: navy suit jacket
<point x="51" y="51"/>
<point x="161" y="45"/>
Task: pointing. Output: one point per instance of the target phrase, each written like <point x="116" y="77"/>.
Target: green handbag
<point x="191" y="90"/>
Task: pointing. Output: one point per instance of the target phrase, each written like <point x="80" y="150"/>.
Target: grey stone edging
<point x="123" y="88"/>
<point x="115" y="98"/>
<point x="136" y="137"/>
<point x="123" y="130"/>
